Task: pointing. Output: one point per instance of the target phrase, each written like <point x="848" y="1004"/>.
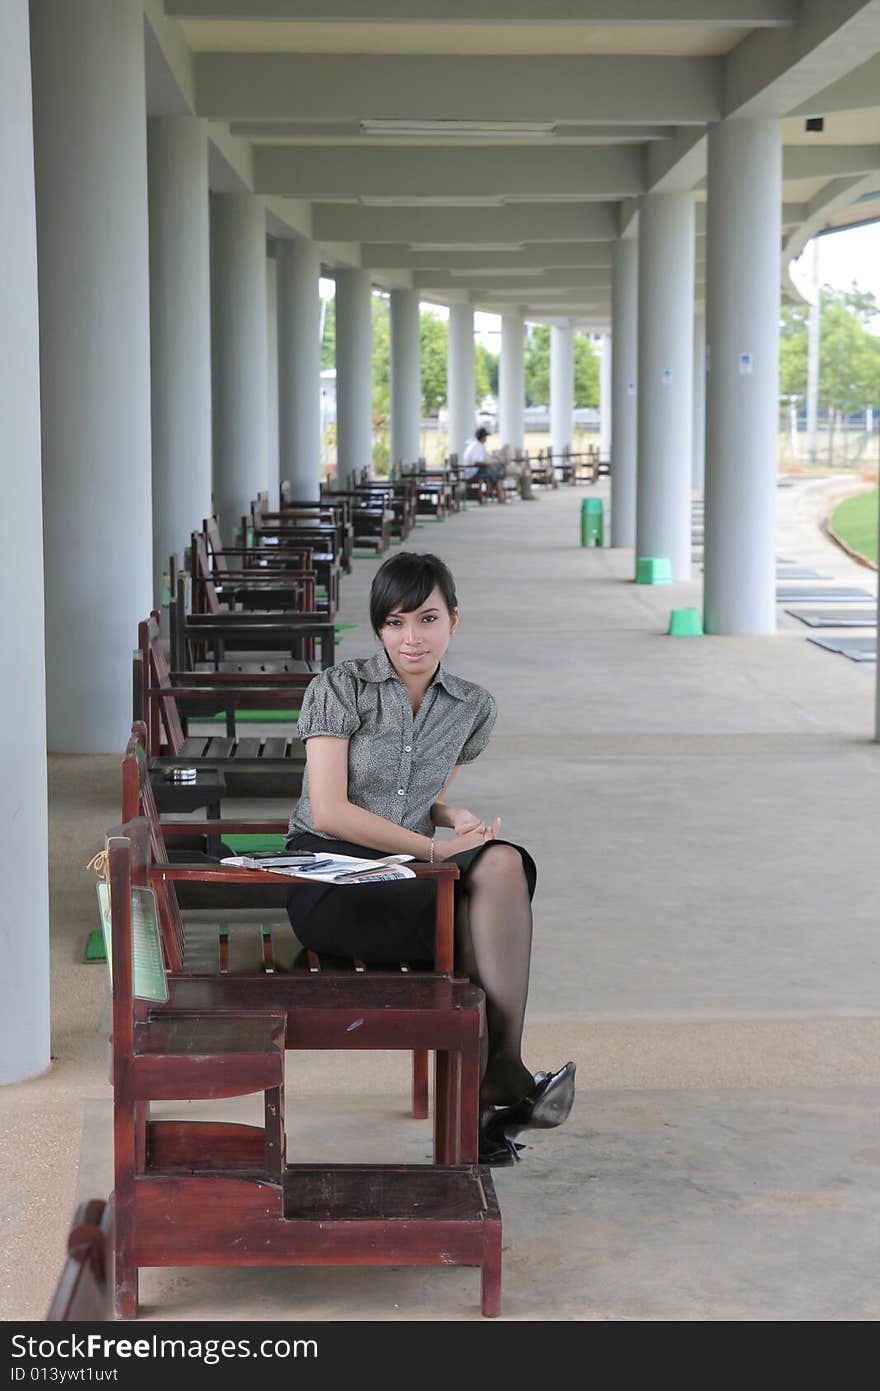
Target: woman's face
<point x="416" y="641"/>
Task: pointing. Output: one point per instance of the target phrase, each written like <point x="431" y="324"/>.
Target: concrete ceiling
<point x="492" y="150"/>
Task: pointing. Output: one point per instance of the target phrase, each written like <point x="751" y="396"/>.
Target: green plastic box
<point x="685" y="623"/>
<point x="592" y="522"/>
<point x="653" y="569"/>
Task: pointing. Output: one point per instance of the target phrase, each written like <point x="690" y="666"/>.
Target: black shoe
<point x="547" y="1105"/>
<point x="495" y="1148"/>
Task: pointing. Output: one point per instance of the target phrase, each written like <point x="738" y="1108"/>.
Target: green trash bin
<point x="592" y="522"/>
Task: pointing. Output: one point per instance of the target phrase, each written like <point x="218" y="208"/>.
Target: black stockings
<point x="493" y="936"/>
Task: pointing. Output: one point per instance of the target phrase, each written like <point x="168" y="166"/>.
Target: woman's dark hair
<point x="404" y="582"/>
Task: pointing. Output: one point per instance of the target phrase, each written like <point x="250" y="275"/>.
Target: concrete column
<point x="180" y="333"/>
<point x="354" y="375"/>
<point x="561" y="387"/>
<point x="90" y="142"/>
<point x="299" y="365"/>
<point x="272" y="420"/>
<point x="24" y="914"/>
<point x="460" y="377"/>
<point x="406" y="376"/>
<point x="605" y="396"/>
<point x="624" y="380"/>
<point x="239" y="355"/>
<point x="666" y="378"/>
<point x="512" y="381"/>
<point x="742" y="388"/>
<point x="698" y="474"/>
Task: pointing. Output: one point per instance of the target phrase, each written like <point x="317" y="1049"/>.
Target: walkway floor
<point x="703" y="814"/>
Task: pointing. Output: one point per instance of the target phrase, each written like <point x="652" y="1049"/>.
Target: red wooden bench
<point x="199" y="1192"/>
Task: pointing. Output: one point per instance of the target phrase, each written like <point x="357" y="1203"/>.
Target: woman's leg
<point x="493" y="926"/>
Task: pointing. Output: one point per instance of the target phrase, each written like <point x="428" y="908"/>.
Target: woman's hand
<point x="463" y="822"/>
<point x="445" y="849"/>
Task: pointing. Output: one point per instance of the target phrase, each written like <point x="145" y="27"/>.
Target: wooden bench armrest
<point x="444" y="874"/>
<point x="219" y="828"/>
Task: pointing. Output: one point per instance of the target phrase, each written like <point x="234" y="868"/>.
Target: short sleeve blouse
<point x="398" y="763"/>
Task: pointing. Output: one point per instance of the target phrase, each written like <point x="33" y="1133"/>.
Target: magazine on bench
<point x="328" y="869"/>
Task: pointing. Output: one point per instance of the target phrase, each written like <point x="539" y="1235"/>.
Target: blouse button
<point x="407" y="748"/>
<point x="401" y="791"/>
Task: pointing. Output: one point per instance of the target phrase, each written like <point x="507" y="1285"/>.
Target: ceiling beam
<point x="341" y="132"/>
<point x="772" y="73"/>
<point x="528" y="281"/>
<point x="674" y="166"/>
<point x="714" y="13"/>
<point x="829" y="161"/>
<point x="341" y="171"/>
<point x="858" y="91"/>
<point x="508" y="225"/>
<point x="534" y="255"/>
<point x="621" y="90"/>
<point x="835" y="196"/>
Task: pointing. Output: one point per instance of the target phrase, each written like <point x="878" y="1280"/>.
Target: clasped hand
<point x="470" y="832"/>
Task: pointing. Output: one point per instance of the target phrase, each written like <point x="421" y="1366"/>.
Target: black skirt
<point x="382" y="923"/>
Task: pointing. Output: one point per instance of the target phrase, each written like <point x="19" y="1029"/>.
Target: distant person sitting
<point x="477" y="464"/>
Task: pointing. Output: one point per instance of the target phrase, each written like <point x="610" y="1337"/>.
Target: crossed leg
<point x="493" y="936"/>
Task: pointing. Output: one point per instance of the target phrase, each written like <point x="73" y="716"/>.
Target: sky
<point x="850" y="255"/>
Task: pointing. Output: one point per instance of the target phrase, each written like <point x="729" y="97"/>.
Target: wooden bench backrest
<point x="204" y="590"/>
<point x="156" y="672"/>
<point x="214" y="544"/>
<point x="138" y="801"/>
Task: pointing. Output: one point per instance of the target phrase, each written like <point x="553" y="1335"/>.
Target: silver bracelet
<point x="431" y="860"/>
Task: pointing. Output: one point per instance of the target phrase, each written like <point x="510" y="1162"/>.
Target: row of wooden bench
<point x="206" y="1192"/>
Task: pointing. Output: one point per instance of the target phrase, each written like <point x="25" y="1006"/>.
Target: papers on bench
<point x="337" y="869"/>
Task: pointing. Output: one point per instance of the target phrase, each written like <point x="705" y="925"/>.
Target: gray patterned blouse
<point x="398" y="763"/>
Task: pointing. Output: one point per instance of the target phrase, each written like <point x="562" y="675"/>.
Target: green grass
<point x="855" y="522"/>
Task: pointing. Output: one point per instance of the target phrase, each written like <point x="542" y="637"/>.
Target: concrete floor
<point x="703" y="814"/>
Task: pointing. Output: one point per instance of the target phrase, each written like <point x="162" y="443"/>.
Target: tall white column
<point x="460" y="378"/>
<point x="180" y="333"/>
<point x="239" y="355"/>
<point x="606" y="362"/>
<point x="24" y="914"/>
<point x="90" y="142"/>
<point x="406" y="376"/>
<point x="666" y="376"/>
<point x="698" y="474"/>
<point x="744" y="231"/>
<point x="512" y="381"/>
<point x="354" y="375"/>
<point x="624" y="385"/>
<point x="299" y="365"/>
<point x="272" y="425"/>
<point x="561" y="387"/>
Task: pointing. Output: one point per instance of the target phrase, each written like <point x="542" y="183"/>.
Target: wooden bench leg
<point x="125" y="1271"/>
<point x="444" y="1115"/>
<point x="420" y="1084"/>
<point x="490" y="1270"/>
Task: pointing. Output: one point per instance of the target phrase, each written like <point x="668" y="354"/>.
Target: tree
<point x="537" y="369"/>
<point x="586" y="372"/>
<point x="328" y="341"/>
<point x="849" y="352"/>
<point x="434" y="336"/>
<point x="537" y="365"/>
<point x="485" y="373"/>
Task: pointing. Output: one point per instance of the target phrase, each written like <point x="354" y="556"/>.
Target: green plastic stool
<point x="685" y="623"/>
<point x="592" y="521"/>
<point x="653" y="569"/>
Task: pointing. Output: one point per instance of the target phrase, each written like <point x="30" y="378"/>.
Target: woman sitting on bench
<point x="386" y="736"/>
